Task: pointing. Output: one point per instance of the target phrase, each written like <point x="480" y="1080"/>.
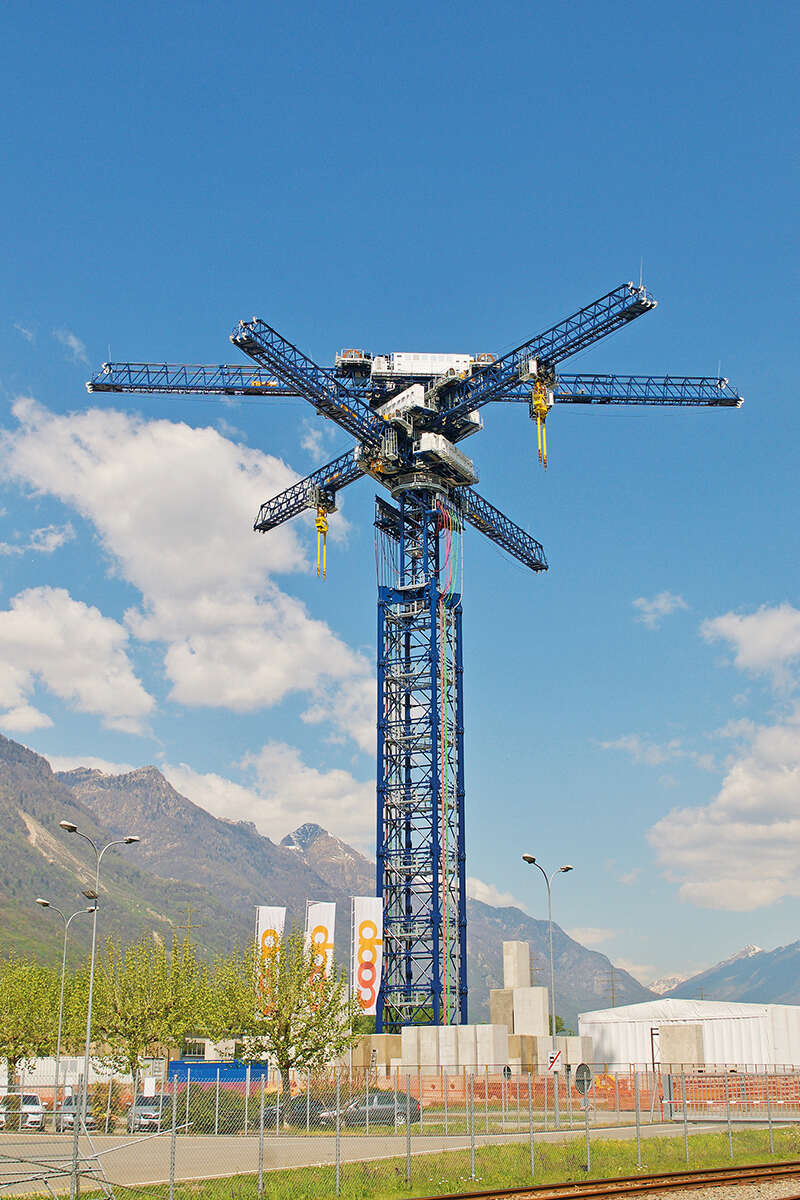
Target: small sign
<point x="149" y="1085"/>
<point x="554" y="1060"/>
<point x="583" y="1078"/>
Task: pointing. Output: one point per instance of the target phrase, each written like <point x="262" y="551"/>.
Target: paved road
<point x="144" y="1160"/>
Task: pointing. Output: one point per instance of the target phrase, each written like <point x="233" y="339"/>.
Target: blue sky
<point x="430" y="177"/>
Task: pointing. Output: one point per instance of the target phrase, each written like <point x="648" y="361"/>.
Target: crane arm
<point x="187" y="378"/>
<point x="691" y="390"/>
<point x="540" y="354"/>
<point x="498" y="528"/>
<point x="318" y="490"/>
<point x="316" y="384"/>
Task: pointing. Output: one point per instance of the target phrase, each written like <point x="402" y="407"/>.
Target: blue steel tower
<point x="408" y="414"/>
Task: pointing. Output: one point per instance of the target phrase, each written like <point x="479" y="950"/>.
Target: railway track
<point x="635" y="1185"/>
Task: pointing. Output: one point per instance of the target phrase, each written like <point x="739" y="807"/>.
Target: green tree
<point x="145" y="997"/>
<point x="28" y="1011"/>
<point x="284" y="1008"/>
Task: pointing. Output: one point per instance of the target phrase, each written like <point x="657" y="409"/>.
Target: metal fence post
<point x="246" y="1097"/>
<point x="261" y="1142"/>
<point x="419" y="1095"/>
<point x="216" y="1105"/>
<point x="366" y="1083"/>
<point x="308" y="1101"/>
<point x="408" y="1129"/>
<point x="338" y="1133"/>
<point x="728" y="1116"/>
<point x="446" y="1128"/>
<point x="471" y="1126"/>
<point x="769" y="1118"/>
<point x="638" y="1119"/>
<point x="108" y="1102"/>
<point x="530" y="1119"/>
<point x="486" y="1096"/>
<point x="616" y="1095"/>
<point x="173" y="1136"/>
<point x="188" y="1087"/>
<point x="76" y="1124"/>
<point x="685" y="1115"/>
<point x="586" y="1103"/>
<point x="278" y="1094"/>
<point x="546" y="1089"/>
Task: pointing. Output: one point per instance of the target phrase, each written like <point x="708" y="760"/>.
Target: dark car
<point x="65" y="1115"/>
<point x="380" y="1108"/>
<point x="151" y="1113"/>
<point x="301" y="1112"/>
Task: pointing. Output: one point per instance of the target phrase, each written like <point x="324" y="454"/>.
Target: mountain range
<point x="197" y="872"/>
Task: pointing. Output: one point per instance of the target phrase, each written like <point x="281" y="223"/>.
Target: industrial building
<point x="694" y="1033"/>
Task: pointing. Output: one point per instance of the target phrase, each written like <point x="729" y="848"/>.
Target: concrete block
<point x="501" y="1007"/>
<point x="448" y="1047"/>
<point x="524" y="1048"/>
<point x="531" y="1011"/>
<point x="409" y="1052"/>
<point x="467" y="1046"/>
<point x="492" y="1045"/>
<point x="376" y="1050"/>
<point x="681" y="1045"/>
<point x="428" y="1046"/>
<point x="516" y="965"/>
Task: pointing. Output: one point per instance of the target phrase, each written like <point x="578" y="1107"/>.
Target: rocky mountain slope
<point x="222" y="869"/>
<point x="752" y="976"/>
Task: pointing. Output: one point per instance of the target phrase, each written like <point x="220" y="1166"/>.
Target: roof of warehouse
<point x="681" y="1010"/>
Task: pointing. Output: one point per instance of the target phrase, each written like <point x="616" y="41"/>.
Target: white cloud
<point x="41" y="541"/>
<point x="589" y="936"/>
<point x="315" y="441"/>
<point x="629" y="878"/>
<point x="487" y="893"/>
<point x="639" y="971"/>
<point x="284" y="793"/>
<point x="642" y="751"/>
<point x="741" y="851"/>
<point x="174" y="507"/>
<point x="73" y="345"/>
<point x="766" y="642"/>
<point x="23" y="718"/>
<point x="27" y="333"/>
<point x="652" y="612"/>
<point x="71" y="762"/>
<point x="76" y="653"/>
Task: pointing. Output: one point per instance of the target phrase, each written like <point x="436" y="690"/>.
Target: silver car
<point x="21" y="1110"/>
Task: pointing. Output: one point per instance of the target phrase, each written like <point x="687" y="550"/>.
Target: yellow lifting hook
<point x="322" y="540"/>
<point x="540" y="411"/>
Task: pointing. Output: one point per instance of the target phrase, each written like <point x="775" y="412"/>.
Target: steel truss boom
<point x="489" y="520"/>
<point x="187" y="379"/>
<point x="317" y="384"/>
<point x="317" y="490"/>
<point x="545" y="350"/>
<point x="688" y="390"/>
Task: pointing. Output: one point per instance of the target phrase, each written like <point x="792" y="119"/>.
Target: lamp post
<point x="529" y="858"/>
<point x="94" y="895"/>
<point x="548" y="881"/>
<point x="67" y="922"/>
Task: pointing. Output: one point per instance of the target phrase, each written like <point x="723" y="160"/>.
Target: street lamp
<point x="529" y="858"/>
<point x="67" y="921"/>
<point x="92" y="894"/>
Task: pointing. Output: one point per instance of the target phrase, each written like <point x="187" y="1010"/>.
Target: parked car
<point x="149" y="1113"/>
<point x="65" y="1115"/>
<point x="384" y="1108"/>
<point x="300" y="1112"/>
<point x="21" y="1110"/>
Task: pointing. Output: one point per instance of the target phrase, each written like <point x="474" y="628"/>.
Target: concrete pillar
<point x="501" y="1008"/>
<point x="516" y="965"/>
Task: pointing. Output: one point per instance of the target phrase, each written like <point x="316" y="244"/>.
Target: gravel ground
<point x="770" y="1189"/>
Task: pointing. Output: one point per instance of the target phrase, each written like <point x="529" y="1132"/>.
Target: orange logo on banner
<point x="270" y="950"/>
<point x="320" y="945"/>
<point x="367" y="973"/>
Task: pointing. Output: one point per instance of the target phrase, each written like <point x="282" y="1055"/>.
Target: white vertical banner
<point x="320" y="921"/>
<point x="269" y="932"/>
<point x="367" y="961"/>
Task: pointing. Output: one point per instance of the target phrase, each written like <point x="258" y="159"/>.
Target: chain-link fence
<point x="383" y="1133"/>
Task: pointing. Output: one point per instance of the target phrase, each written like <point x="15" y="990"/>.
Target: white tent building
<point x="694" y="1033"/>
